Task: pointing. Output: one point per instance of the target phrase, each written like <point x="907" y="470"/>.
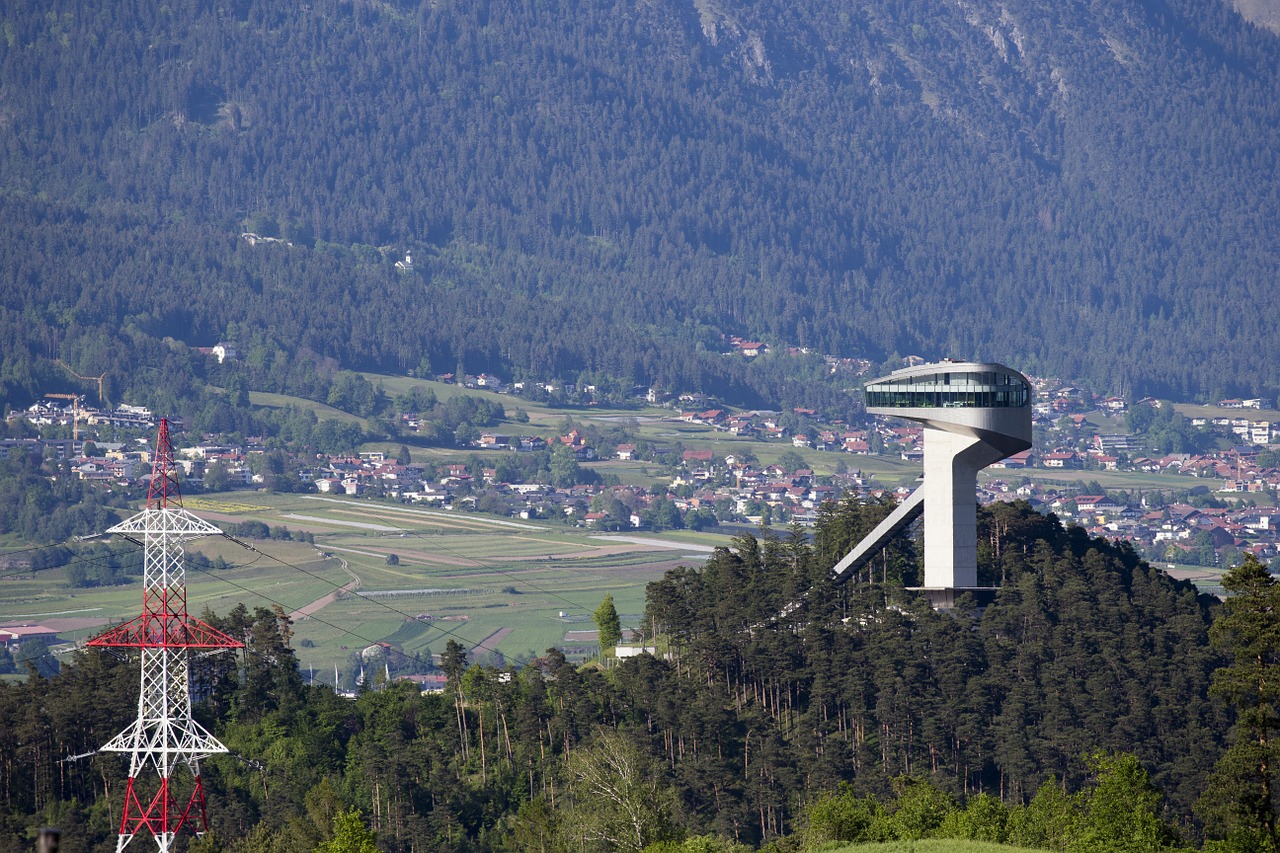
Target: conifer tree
<point x="1241" y="794"/>
<point x="608" y="624"/>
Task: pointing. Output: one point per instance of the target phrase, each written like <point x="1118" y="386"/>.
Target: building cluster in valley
<point x="708" y="488"/>
<point x="45" y="413"/>
<point x="726" y="487"/>
<point x="1176" y="532"/>
<point x="1076" y="431"/>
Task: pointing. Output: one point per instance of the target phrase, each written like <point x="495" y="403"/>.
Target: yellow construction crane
<point x="101" y="397"/>
<point x="75" y="414"/>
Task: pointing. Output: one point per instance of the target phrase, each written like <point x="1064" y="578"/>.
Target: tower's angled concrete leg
<point x="905" y="513"/>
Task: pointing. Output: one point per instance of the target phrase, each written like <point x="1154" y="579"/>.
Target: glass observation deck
<point x="950" y="390"/>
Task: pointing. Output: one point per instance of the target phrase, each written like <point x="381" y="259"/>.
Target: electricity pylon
<point x="165" y="736"/>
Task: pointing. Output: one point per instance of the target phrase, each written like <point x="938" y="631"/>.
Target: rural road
<point x="323" y="602"/>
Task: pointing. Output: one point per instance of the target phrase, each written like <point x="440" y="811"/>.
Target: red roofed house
<point x="15" y="635"/>
<point x="1066" y="459"/>
<point x="1017" y="460"/>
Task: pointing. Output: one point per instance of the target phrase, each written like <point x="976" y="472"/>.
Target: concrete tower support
<point x="950" y="508"/>
<point x="973" y="414"/>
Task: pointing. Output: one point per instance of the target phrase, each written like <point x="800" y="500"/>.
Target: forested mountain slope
<point x="1083" y="189"/>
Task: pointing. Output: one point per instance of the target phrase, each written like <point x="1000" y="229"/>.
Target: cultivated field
<point x="76" y="614"/>
<point x="517" y="587"/>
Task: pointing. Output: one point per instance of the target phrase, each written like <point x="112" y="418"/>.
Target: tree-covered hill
<point x="861" y="715"/>
<point x="1082" y="189"/>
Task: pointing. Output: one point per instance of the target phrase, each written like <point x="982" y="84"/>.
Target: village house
<point x="14" y="635"/>
<point x="749" y="349"/>
<point x="1061" y="459"/>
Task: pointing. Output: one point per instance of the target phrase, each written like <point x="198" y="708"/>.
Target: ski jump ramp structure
<point x="973" y="414"/>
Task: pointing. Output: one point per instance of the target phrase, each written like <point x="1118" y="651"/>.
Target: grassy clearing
<point x="542" y="418"/>
<point x="1208" y="579"/>
<point x="1119" y="480"/>
<point x="641" y="474"/>
<point x="323" y="412"/>
<point x="1189" y="411"/>
<point x="396" y="385"/>
<point x="930" y="845"/>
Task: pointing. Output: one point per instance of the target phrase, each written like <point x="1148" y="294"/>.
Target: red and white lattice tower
<point x="164" y="736"/>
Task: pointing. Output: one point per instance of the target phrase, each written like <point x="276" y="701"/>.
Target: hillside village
<point x="1227" y="507"/>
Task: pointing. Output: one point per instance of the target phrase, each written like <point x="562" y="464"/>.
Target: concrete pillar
<point x="951" y="465"/>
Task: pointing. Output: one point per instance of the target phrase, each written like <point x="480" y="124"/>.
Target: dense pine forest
<point x="1086" y="190"/>
<point x="1091" y="707"/>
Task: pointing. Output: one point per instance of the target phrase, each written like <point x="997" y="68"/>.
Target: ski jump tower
<point x="165" y="735"/>
<point x="973" y="414"/>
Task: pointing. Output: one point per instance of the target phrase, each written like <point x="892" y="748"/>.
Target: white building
<point x="973" y="414"/>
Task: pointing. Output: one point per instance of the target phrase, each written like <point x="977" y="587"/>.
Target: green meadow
<point x="928" y="845"/>
<point x="322" y="412"/>
<point x="421" y="577"/>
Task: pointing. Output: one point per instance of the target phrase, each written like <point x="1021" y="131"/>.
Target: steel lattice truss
<point x="165" y="735"/>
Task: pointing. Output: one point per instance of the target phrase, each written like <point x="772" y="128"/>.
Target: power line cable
<point x="17" y="573"/>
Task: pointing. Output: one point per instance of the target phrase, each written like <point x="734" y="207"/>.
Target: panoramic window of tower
<point x="973" y="414"/>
